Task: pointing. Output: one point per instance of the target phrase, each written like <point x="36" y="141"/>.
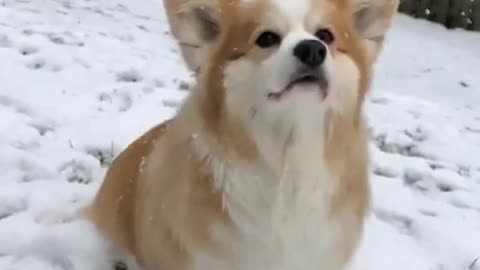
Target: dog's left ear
<point x="373" y="19"/>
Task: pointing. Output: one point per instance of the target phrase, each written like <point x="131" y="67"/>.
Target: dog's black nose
<point x="312" y="53"/>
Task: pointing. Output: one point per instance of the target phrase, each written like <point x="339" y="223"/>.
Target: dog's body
<point x="265" y="166"/>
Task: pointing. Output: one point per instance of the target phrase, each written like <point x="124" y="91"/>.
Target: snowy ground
<point x="80" y="79"/>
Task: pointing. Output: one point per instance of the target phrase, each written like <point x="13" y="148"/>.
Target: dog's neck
<point x="285" y="151"/>
<point x="290" y="142"/>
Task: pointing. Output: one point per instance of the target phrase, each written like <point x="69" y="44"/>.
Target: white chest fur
<point x="280" y="221"/>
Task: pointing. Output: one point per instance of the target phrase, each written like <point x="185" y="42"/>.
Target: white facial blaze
<point x="295" y="10"/>
<point x="283" y="63"/>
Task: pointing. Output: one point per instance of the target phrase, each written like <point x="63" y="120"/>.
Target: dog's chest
<point x="277" y="224"/>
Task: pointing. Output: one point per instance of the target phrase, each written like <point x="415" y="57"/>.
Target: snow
<point x="81" y="79"/>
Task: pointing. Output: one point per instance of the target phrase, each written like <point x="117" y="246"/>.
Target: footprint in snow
<point x="76" y="172"/>
<point x="412" y="176"/>
<point x="121" y="8"/>
<point x="148" y="89"/>
<point x="130" y="75"/>
<point x="28" y="32"/>
<point x="464" y="171"/>
<point x="36" y="64"/>
<point x="385" y="171"/>
<point x="424" y="182"/>
<point x="10" y="206"/>
<point x="142" y="27"/>
<point x="41" y="63"/>
<point x="401" y="222"/>
<point x="103" y="155"/>
<point x="417" y="135"/>
<point x="32" y="169"/>
<point x="183" y="85"/>
<point x="67" y="4"/>
<point x="5" y="41"/>
<point x="473" y="129"/>
<point x="57" y="39"/>
<point x="16" y="105"/>
<point x="405" y="144"/>
<point x="28" y="49"/>
<point x="428" y="213"/>
<point x="42" y="127"/>
<point x="460" y="202"/>
<point x="436" y="181"/>
<point x="65" y="39"/>
<point x="380" y="100"/>
<point x="437" y="165"/>
<point x="30" y="10"/>
<point x="475" y="264"/>
<point x="123" y="100"/>
<point x="159" y="83"/>
<point x="170" y="103"/>
<point x="445" y="187"/>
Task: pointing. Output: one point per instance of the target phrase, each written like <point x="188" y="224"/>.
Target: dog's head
<point x="282" y="63"/>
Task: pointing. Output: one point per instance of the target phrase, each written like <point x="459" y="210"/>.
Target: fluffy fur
<point x="237" y="180"/>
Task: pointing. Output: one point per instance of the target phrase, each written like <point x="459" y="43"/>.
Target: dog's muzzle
<point x="304" y="79"/>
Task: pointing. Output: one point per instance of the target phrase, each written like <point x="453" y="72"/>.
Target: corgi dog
<point x="265" y="165"/>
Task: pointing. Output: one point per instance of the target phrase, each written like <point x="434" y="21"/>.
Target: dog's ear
<point x="195" y="25"/>
<point x="373" y="19"/>
<point x="204" y="20"/>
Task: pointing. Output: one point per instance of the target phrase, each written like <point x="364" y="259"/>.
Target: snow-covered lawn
<point x="80" y="79"/>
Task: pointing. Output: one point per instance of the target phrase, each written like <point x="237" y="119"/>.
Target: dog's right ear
<point x="195" y="25"/>
<point x="203" y="19"/>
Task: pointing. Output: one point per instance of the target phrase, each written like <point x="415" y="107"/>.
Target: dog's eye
<point x="325" y="35"/>
<point x="268" y="39"/>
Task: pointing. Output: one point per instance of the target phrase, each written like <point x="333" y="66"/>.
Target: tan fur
<point x="160" y="200"/>
<point x="188" y="43"/>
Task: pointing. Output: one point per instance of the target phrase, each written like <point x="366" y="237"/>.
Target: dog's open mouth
<point x="304" y="80"/>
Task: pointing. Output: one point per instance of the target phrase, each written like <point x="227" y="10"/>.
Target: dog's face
<point x="287" y="62"/>
<point x="292" y="69"/>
